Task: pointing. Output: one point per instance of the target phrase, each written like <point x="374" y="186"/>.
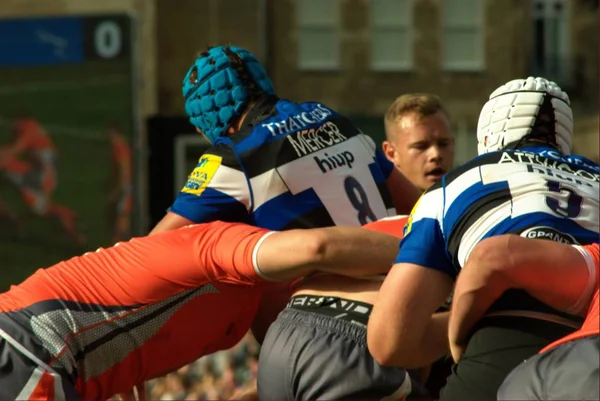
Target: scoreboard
<point x="64" y="40"/>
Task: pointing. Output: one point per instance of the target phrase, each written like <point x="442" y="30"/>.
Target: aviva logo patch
<point x="202" y="175"/>
<point x="409" y="222"/>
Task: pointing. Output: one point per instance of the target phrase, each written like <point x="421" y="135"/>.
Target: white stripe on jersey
<point x="529" y="193"/>
<point x="267" y="186"/>
<point x="460" y="185"/>
<point x="231" y="182"/>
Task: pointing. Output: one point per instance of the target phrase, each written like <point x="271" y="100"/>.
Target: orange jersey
<point x="591" y="325"/>
<point x="119" y="316"/>
<point x="389" y="225"/>
<point x="33" y="136"/>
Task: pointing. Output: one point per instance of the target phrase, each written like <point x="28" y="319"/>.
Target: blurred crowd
<point x="221" y="376"/>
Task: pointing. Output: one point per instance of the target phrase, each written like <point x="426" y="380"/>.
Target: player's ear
<point x="389" y="150"/>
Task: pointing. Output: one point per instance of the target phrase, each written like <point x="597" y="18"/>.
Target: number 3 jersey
<point x="533" y="192"/>
<point x="300" y="166"/>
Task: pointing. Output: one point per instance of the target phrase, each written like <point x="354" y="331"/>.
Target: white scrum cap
<point x="516" y="108"/>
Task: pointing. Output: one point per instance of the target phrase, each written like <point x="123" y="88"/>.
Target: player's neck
<point x="256" y="111"/>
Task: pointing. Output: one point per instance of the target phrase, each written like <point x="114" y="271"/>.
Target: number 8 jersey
<point x="534" y="192"/>
<point x="302" y="166"/>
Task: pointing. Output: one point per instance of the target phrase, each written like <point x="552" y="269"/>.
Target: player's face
<point x="422" y="148"/>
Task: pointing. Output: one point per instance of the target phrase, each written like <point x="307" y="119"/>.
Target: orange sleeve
<point x="225" y="252"/>
<point x="389" y="225"/>
<point x="149" y="269"/>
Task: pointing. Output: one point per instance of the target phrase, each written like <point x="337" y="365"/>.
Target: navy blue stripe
<point x="280" y="211"/>
<point x="471" y="204"/>
<point x="211" y="205"/>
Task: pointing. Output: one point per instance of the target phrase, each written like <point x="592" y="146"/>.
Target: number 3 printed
<point x="358" y="198"/>
<point x="574" y="201"/>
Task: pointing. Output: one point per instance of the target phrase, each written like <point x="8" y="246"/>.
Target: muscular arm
<point x="403" y="329"/>
<point x="350" y="251"/>
<point x="557" y="274"/>
<point x="292" y="254"/>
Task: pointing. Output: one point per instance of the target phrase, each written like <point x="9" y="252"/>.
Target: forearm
<point x="473" y="295"/>
<point x="349" y="251"/>
<point x="434" y="343"/>
<point x="356" y="252"/>
<point x="521" y="262"/>
<point x="432" y="346"/>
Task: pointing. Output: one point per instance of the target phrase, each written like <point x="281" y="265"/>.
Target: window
<point x="465" y="141"/>
<point x="463" y="35"/>
<point x="391" y="35"/>
<point x="318" y="24"/>
<point x="550" y="57"/>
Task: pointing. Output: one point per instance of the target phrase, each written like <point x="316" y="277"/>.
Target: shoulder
<point x="220" y="152"/>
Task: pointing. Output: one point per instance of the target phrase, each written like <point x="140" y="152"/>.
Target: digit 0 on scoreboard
<point x="107" y="37"/>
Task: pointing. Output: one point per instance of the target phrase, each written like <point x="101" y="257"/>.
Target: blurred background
<point x="94" y="144"/>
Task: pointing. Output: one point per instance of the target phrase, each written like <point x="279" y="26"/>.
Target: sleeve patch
<point x="204" y="172"/>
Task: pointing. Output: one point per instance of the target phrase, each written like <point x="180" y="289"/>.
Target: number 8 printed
<point x="358" y="197"/>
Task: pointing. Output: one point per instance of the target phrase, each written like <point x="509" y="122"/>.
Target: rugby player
<point x="419" y="139"/>
<point x="275" y="163"/>
<point x="420" y="143"/>
<point x="120" y="199"/>
<point x="560" y="275"/>
<point x="526" y="182"/>
<point x="99" y="324"/>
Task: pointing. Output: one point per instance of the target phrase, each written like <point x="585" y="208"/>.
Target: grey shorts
<point x="567" y="372"/>
<point x="313" y="354"/>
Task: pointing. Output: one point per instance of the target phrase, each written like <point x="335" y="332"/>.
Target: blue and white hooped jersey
<point x="303" y="166"/>
<point x="533" y="192"/>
